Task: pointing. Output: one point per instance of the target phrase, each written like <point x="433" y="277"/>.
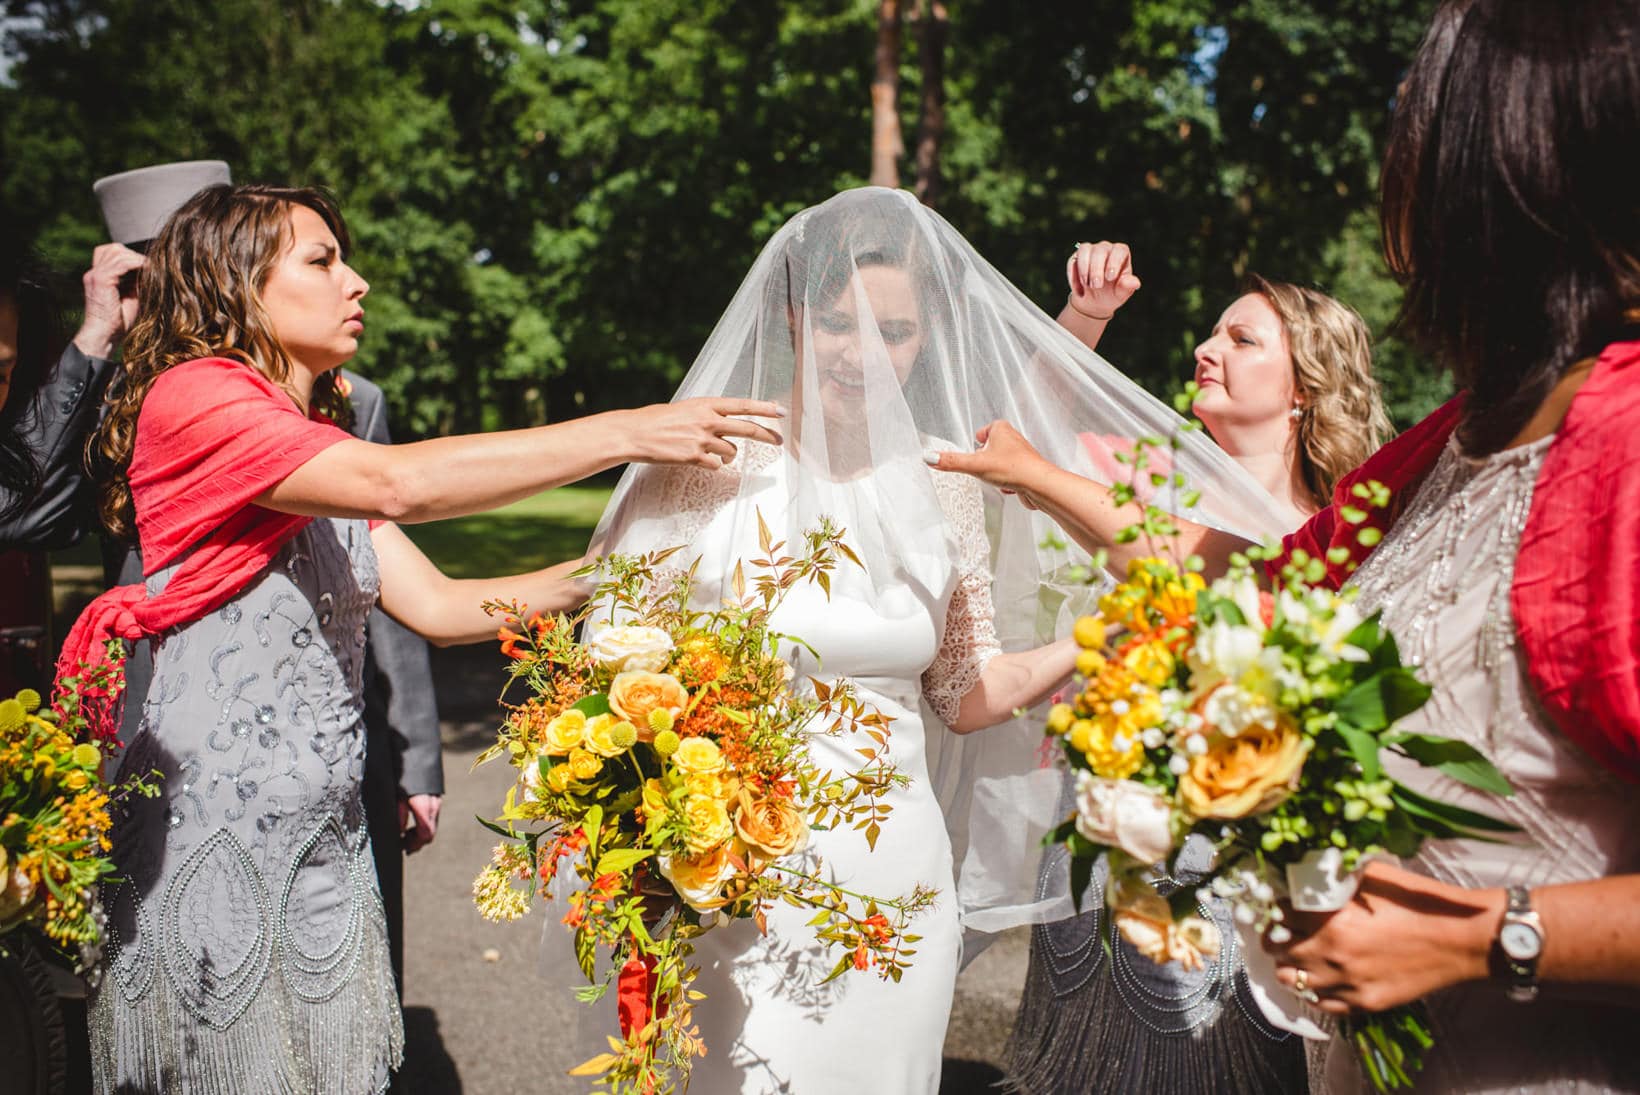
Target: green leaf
<point x="1454" y="817"/>
<point x="1382" y="699"/>
<point x="1363" y="746"/>
<point x="496" y="829"/>
<point x="1460" y="760"/>
<point x="591" y="823"/>
<point x="592" y="706"/>
<point x="620" y="860"/>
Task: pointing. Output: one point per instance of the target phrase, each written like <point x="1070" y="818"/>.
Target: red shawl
<point x="212" y="435"/>
<point x="1576" y="591"/>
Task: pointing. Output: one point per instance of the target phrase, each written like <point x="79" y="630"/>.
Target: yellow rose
<point x="1060" y="716"/>
<point x="711" y="785"/>
<point x="76" y="781"/>
<point x="584" y="765"/>
<point x="600" y="736"/>
<point x="559" y="778"/>
<point x="1151" y="662"/>
<point x="708" y="821"/>
<point x="770" y="826"/>
<point x="636" y="694"/>
<point x="699" y="756"/>
<point x="654" y="798"/>
<point x="1089" y="632"/>
<point x="699" y="879"/>
<point x="1089" y="663"/>
<point x="1244" y="775"/>
<point x="565" y="732"/>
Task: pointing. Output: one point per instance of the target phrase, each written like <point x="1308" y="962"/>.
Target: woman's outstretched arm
<point x="449" y="611"/>
<point x="455" y="476"/>
<point x="1080" y="506"/>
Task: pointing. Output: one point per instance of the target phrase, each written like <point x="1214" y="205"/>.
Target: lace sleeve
<point x="969" y="640"/>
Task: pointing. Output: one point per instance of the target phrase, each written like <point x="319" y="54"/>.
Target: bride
<point x="890" y="338"/>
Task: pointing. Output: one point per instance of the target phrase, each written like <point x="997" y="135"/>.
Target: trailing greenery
<point x="554" y="199"/>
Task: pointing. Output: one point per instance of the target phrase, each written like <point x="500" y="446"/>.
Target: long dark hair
<point x="24" y="282"/>
<point x="1506" y="212"/>
<point x="200" y="296"/>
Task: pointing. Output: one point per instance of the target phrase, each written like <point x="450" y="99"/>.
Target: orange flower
<point x="862" y="956"/>
<point x="636" y="694"/>
<point x="510" y="641"/>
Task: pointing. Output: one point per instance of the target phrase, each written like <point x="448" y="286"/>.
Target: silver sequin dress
<point x="1442" y="578"/>
<point x="248" y="950"/>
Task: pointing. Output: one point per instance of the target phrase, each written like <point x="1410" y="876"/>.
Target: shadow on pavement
<point x="428" y="1068"/>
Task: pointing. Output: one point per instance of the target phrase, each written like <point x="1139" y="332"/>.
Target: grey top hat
<point x="137" y="203"/>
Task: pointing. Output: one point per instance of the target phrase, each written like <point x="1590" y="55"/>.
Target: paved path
<point x="480" y="1019"/>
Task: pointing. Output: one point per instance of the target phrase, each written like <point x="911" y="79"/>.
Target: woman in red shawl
<point x="247" y="944"/>
<point x="1509" y="567"/>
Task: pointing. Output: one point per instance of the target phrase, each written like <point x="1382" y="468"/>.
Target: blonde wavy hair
<point x="1341" y="414"/>
<point x="199" y="295"/>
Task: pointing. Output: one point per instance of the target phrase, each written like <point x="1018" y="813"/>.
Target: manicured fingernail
<point x="931" y="457"/>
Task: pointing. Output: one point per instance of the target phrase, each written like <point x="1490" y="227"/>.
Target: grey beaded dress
<point x="1096" y="1016"/>
<point x="248" y="949"/>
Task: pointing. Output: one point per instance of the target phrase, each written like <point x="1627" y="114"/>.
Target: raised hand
<point x="697" y="431"/>
<point x="1101" y="278"/>
<point x="110" y="310"/>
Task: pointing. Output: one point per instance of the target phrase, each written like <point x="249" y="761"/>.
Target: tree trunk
<point x="886" y="144"/>
<point x="932" y="30"/>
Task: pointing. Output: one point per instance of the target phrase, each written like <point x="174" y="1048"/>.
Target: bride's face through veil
<point x="853" y="296"/>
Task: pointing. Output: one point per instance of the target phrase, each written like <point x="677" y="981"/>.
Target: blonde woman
<point x="1287" y="390"/>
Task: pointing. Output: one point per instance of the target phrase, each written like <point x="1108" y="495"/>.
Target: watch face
<point x="1520" y="941"/>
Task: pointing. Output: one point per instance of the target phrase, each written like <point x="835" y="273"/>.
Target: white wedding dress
<point x="912" y="646"/>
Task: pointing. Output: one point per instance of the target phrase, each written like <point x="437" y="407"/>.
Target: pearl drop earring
<point x="1297" y="412"/>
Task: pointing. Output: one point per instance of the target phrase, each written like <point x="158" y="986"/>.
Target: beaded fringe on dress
<point x="1089" y="1039"/>
<point x="347" y="1044"/>
<point x="1097" y="1017"/>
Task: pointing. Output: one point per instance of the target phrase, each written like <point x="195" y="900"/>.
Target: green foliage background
<point x="555" y="199"/>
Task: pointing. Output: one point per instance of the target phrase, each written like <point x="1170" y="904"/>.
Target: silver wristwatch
<point x="1520" y="942"/>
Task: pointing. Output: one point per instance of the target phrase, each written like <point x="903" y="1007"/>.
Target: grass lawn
<point x="527" y="535"/>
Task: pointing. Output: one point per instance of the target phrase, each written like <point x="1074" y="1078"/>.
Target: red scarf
<point x="213" y="434"/>
<point x="1576" y="591"/>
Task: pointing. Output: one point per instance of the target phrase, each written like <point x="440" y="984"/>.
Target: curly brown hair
<point x="1341" y="418"/>
<point x="199" y="295"/>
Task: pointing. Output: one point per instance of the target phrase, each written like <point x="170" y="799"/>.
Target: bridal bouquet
<point x="54" y="821"/>
<point x="665" y="783"/>
<point x="1259" y="721"/>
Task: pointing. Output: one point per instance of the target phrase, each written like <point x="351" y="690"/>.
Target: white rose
<point x="1123" y="814"/>
<point x="631" y="647"/>
<point x="1232" y="709"/>
<point x="699" y="879"/>
<point x="1223" y="651"/>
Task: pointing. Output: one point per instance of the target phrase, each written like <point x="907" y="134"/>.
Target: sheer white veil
<point x="886" y="334"/>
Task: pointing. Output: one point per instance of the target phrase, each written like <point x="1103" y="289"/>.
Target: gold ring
<point x="1301" y="982"/>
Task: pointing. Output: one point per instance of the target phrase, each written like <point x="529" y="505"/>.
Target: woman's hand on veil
<point x="697" y="431"/>
<point x="1004" y="459"/>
